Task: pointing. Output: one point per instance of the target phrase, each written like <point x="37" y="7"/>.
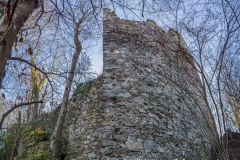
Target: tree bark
<point x="56" y="136"/>
<point x="9" y="31"/>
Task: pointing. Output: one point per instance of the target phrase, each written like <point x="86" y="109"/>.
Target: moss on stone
<point x="19" y="157"/>
<point x="37" y="145"/>
<point x="64" y="145"/>
<point x="39" y="151"/>
<point x="40" y="155"/>
<point x="38" y="134"/>
<point x="83" y="89"/>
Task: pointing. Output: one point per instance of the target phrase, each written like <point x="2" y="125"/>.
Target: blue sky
<point x="97" y="57"/>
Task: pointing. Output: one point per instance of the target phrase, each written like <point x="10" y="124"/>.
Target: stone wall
<point x="83" y="122"/>
<point x="147" y="105"/>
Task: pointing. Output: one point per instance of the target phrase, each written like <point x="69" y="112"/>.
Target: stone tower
<point x="147" y="104"/>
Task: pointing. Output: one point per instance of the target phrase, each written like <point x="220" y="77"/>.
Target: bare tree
<point x="231" y="88"/>
<point x="80" y="20"/>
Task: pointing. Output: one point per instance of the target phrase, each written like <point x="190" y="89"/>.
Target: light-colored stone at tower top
<point x="108" y="14"/>
<point x="172" y="35"/>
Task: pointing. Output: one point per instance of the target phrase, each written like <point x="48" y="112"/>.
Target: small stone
<point x="120" y="61"/>
<point x="116" y="89"/>
<point x="120" y="151"/>
<point x="139" y="140"/>
<point x="122" y="145"/>
<point x="134" y="145"/>
<point x="142" y="110"/>
<point x="127" y="124"/>
<point x="108" y="143"/>
<point x="148" y="70"/>
<point x="133" y="92"/>
<point x="162" y="126"/>
<point x="143" y="89"/>
<point x="109" y="151"/>
<point x="124" y="95"/>
<point x="145" y="95"/>
<point x="172" y="145"/>
<point x="153" y="116"/>
<point x="177" y="149"/>
<point x="92" y="139"/>
<point x="103" y="150"/>
<point x="139" y="100"/>
<point x="148" y="145"/>
<point x="154" y="122"/>
<point x="110" y="158"/>
<point x="169" y="133"/>
<point x="190" y="135"/>
<point x="153" y="76"/>
<point x="152" y="82"/>
<point x="169" y="127"/>
<point x="104" y="135"/>
<point x="160" y="149"/>
<point x="119" y="137"/>
<point x="95" y="134"/>
<point x="110" y="86"/>
<point x="92" y="155"/>
<point x="86" y="142"/>
<point x="156" y="155"/>
<point x="125" y="85"/>
<point x="165" y="136"/>
<point x="167" y="89"/>
<point x="132" y="139"/>
<point x="179" y="136"/>
<point x="84" y="113"/>
<point x="143" y="122"/>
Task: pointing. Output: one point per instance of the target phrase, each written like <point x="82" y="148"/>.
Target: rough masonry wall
<point x="83" y="122"/>
<point x="148" y="105"/>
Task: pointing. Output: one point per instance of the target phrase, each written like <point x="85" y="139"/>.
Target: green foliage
<point x="20" y="40"/>
<point x="82" y="88"/>
<point x="37" y="141"/>
<point x="36" y="80"/>
<point x="37" y="134"/>
<point x="35" y="155"/>
<point x="8" y="141"/>
<point x="40" y="155"/>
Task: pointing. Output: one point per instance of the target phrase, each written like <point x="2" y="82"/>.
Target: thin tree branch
<point x="25" y="61"/>
<point x="13" y="108"/>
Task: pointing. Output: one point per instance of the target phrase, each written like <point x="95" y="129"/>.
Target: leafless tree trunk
<point x="56" y="136"/>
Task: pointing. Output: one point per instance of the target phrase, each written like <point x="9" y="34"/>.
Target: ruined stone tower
<point x="146" y="105"/>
